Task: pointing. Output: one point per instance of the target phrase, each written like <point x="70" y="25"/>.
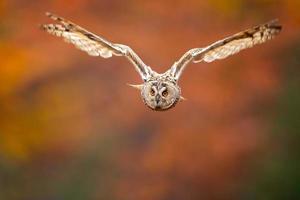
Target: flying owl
<point x="160" y="92"/>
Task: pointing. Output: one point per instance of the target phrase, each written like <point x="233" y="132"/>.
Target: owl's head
<point x="160" y="95"/>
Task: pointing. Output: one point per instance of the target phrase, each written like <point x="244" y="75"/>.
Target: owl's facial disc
<point x="160" y="95"/>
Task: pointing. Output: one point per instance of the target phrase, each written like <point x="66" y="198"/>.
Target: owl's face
<point x="159" y="95"/>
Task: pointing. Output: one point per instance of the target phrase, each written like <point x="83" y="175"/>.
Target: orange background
<point x="70" y="127"/>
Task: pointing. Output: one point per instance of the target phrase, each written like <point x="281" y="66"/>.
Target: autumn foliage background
<point x="70" y="127"/>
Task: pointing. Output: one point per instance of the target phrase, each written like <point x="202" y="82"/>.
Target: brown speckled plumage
<point x="160" y="91"/>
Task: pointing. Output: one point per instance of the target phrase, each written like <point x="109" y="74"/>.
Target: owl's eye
<point x="152" y="92"/>
<point x="165" y="93"/>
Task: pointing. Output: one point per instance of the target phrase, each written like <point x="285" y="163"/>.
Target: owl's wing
<point x="228" y="46"/>
<point x="92" y="44"/>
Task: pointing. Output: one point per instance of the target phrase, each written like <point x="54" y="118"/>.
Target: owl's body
<point x="160" y="91"/>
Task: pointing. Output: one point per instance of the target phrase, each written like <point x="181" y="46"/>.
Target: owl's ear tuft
<point x="139" y="87"/>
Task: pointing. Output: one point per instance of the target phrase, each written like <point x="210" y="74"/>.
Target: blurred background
<point x="70" y="127"/>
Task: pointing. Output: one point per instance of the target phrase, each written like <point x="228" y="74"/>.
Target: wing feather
<point x="228" y="46"/>
<point x="92" y="44"/>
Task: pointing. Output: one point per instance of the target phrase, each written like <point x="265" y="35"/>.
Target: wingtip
<point x="275" y="25"/>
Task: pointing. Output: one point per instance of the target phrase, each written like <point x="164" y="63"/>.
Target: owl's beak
<point x="139" y="87"/>
<point x="157" y="99"/>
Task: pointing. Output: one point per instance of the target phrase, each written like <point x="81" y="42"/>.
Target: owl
<point x="160" y="92"/>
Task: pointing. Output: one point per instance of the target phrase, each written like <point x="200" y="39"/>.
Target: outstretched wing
<point x="94" y="45"/>
<point x="228" y="46"/>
